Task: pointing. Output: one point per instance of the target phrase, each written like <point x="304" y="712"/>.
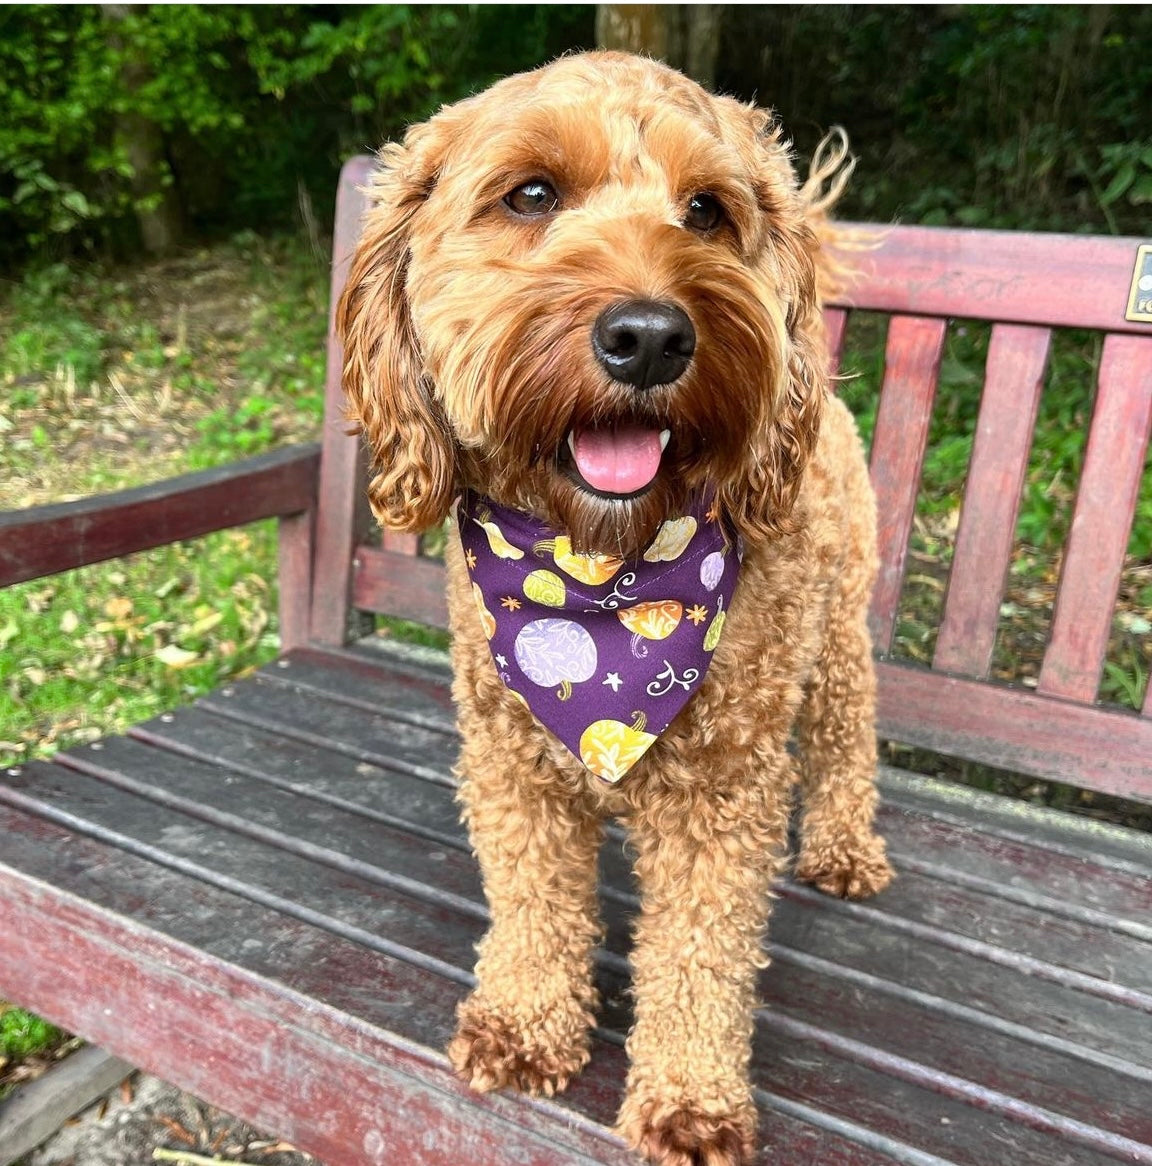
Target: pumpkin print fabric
<point x="604" y="652"/>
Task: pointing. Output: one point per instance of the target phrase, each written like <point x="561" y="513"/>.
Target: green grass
<point x="22" y="1034"/>
<point x="98" y="649"/>
<point x="113" y="377"/>
<point x="25" y="1042"/>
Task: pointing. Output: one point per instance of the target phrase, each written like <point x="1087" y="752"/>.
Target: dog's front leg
<point x="706" y="857"/>
<point x="526" y="1025"/>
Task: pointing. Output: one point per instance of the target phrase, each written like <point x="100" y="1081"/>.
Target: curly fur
<point x="467" y="362"/>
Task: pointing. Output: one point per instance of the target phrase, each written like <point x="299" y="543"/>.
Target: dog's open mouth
<point x="617" y="461"/>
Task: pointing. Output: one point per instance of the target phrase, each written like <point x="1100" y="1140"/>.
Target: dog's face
<point x="587" y="292"/>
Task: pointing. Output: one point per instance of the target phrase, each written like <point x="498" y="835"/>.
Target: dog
<point x="585" y="308"/>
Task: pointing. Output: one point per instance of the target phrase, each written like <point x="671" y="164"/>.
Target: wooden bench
<point x="266" y="897"/>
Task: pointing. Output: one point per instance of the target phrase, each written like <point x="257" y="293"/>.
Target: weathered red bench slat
<point x="1102" y="520"/>
<point x="1017" y="730"/>
<point x="911" y="369"/>
<point x="403" y="585"/>
<point x="835" y="320"/>
<point x="343" y="520"/>
<point x="1018" y="277"/>
<point x="268" y="899"/>
<point x="108" y="526"/>
<point x="887" y="1025"/>
<point x="1013" y="380"/>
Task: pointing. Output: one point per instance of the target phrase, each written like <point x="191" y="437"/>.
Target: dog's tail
<point x="831" y="168"/>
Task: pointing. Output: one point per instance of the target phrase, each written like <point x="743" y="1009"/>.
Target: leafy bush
<point x="1018" y="115"/>
<point x="251" y="108"/>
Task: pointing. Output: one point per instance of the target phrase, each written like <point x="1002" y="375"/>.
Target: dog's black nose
<point x="643" y="342"/>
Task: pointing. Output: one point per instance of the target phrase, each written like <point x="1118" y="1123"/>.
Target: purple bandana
<point x="603" y="652"/>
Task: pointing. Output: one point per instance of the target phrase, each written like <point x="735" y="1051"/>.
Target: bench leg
<point x="526" y="1025"/>
<point x="840" y="853"/>
<point x="698" y="948"/>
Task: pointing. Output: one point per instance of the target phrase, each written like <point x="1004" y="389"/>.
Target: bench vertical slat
<point x="835" y="320"/>
<point x="295" y="551"/>
<point x="911" y="368"/>
<point x="1102" y="520"/>
<point x="400" y="541"/>
<point x="1013" y="381"/>
<point x="342" y="516"/>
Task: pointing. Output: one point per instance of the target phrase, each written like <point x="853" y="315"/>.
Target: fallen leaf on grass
<point x="118" y="608"/>
<point x="204" y="624"/>
<point x="176" y="657"/>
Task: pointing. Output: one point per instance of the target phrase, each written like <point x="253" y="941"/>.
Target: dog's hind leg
<point x="840" y="853"/>
<point x="526" y="1025"/>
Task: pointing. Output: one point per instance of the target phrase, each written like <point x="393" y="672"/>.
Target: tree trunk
<point x="142" y="140"/>
<point x="686" y="36"/>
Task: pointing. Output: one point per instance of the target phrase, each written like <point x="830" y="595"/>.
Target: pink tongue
<point x="617" y="461"/>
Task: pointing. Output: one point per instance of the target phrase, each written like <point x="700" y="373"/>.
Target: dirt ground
<point x="145" y="1115"/>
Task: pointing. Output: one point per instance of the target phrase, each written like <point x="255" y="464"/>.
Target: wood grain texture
<point x="343" y="519"/>
<point x="1014" y="729"/>
<point x="400" y="584"/>
<point x="243" y="1025"/>
<point x="835" y="322"/>
<point x="46" y="539"/>
<point x="1018" y="277"/>
<point x="287" y="850"/>
<point x="295" y="549"/>
<point x="1013" y="379"/>
<point x="911" y="367"/>
<point x="1102" y="520"/>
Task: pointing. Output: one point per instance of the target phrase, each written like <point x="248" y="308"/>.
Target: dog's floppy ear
<point x="388" y="392"/>
<point x="793" y="274"/>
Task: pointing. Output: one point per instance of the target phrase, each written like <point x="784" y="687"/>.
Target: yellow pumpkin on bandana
<point x="545" y="587"/>
<point x="651" y="621"/>
<point x="654" y="621"/>
<point x="610" y="748"/>
<point x="671" y="540"/>
<point x="590" y="569"/>
<point x="712" y="636"/>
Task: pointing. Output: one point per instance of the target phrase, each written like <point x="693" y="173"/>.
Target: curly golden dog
<point x="590" y="296"/>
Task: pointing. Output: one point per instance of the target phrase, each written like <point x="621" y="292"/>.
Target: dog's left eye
<point x="536" y="197"/>
<point x="704" y="213"/>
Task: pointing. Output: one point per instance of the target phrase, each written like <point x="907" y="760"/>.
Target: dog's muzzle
<point x="644" y="343"/>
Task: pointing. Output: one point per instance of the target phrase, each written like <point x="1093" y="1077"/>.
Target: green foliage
<point x="1021" y="115"/>
<point x="257" y="105"/>
<point x="22" y="1034"/>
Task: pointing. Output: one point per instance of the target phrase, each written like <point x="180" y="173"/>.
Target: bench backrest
<point x="1025" y="285"/>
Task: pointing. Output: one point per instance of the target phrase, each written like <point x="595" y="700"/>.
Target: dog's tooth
<point x="572" y="443"/>
<point x="665" y="437"/>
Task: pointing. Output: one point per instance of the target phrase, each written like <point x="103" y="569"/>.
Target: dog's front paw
<point x="683" y="1135"/>
<point x="847" y="871"/>
<point x="490" y="1052"/>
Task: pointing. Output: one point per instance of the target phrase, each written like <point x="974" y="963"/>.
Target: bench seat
<point x="267" y="898"/>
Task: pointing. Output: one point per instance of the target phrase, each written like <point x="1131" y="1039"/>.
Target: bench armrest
<point x="44" y="540"/>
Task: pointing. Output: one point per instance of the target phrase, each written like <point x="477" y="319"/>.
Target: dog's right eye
<point x="536" y="197"/>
